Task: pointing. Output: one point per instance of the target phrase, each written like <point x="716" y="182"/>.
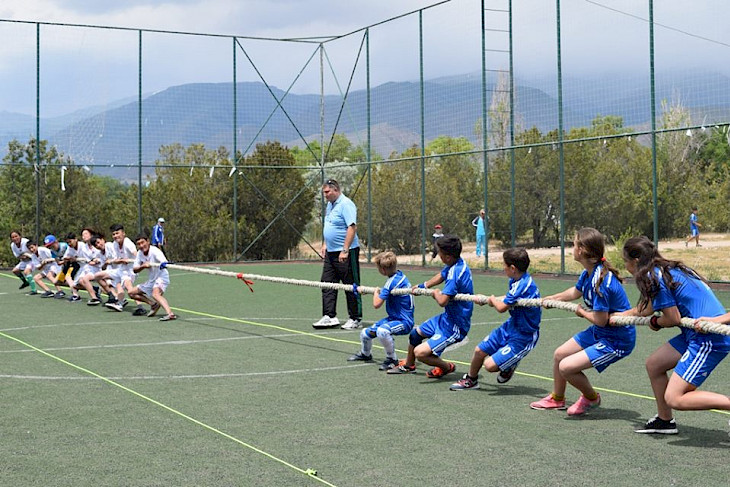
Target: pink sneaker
<point x="548" y="402"/>
<point x="582" y="405"/>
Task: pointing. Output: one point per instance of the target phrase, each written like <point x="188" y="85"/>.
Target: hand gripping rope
<point x="702" y="326"/>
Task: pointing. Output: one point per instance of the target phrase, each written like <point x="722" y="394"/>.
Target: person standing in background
<point x="481" y="233"/>
<point x="158" y="235"/>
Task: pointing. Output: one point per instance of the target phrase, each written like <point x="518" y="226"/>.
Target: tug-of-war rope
<point x="703" y="326"/>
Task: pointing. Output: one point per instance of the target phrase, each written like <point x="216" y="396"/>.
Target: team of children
<point x="93" y="264"/>
<point x="669" y="291"/>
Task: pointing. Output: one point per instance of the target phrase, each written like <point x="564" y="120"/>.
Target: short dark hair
<point x="449" y="245"/>
<point x="70" y="236"/>
<point x="116" y="226"/>
<point x="141" y="236"/>
<point x="95" y="238"/>
<point x="332" y="183"/>
<point x="517" y="256"/>
<point x="31" y="242"/>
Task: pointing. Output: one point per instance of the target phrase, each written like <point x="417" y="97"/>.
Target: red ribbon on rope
<point x="245" y="281"/>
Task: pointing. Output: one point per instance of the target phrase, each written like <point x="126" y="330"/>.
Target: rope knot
<point x="245" y="281"/>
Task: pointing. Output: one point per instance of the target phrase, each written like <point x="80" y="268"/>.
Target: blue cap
<point x="49" y="239"/>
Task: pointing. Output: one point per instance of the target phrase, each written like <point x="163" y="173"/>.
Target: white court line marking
<point x="192" y="376"/>
<point x="173" y="342"/>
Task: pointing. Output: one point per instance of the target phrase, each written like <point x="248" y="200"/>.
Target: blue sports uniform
<point x="604" y="344"/>
<point x="512" y="341"/>
<point x="399" y="307"/>
<point x="694" y="231"/>
<point x="158" y="235"/>
<point x="701" y="352"/>
<point x="453" y="324"/>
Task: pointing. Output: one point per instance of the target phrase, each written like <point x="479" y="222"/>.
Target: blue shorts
<point x="440" y="332"/>
<point x="694" y="231"/>
<point x="506" y="350"/>
<point x="395" y="327"/>
<point x="600" y="351"/>
<point x="699" y="358"/>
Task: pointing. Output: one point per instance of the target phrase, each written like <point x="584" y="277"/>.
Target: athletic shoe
<point x="169" y="317"/>
<point x="465" y="383"/>
<point x="388" y="364"/>
<point x="114" y="306"/>
<point x="351" y="324"/>
<point x="74" y="299"/>
<point x="657" y="425"/>
<point x="110" y="300"/>
<point x="548" y="402"/>
<point x="93" y="302"/>
<point x="24" y="285"/>
<point x="583" y="405"/>
<point x="59" y="295"/>
<point x="505" y="375"/>
<point x="47" y="294"/>
<point x="326" y="322"/>
<point x="359" y="357"/>
<point x="438" y="372"/>
<point x="33" y="293"/>
<point x="96" y="290"/>
<point x="139" y="312"/>
<point x="124" y="303"/>
<point x="153" y="310"/>
<point x="402" y="368"/>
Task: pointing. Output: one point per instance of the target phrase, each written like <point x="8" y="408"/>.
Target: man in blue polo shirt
<point x="341" y="252"/>
<point x="158" y="235"/>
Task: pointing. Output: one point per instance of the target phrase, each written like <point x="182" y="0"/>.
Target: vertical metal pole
<point x="37" y="165"/>
<point x="321" y="131"/>
<point x="369" y="145"/>
<point x="485" y="140"/>
<point x="654" y="181"/>
<point x="235" y="155"/>
<point x="139" y="137"/>
<point x="513" y="217"/>
<point x="423" y="142"/>
<point x="560" y="141"/>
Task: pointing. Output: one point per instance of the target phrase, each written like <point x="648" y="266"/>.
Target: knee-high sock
<point x="388" y="343"/>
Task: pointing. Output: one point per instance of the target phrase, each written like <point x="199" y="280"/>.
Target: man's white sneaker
<point x="351" y="324"/>
<point x="326" y="322"/>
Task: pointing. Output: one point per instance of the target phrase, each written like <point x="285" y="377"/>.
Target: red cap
<point x="437" y="226"/>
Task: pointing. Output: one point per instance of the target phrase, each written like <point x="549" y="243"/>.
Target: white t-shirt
<point x="154" y="256"/>
<point x="23" y="249"/>
<point x="127" y="251"/>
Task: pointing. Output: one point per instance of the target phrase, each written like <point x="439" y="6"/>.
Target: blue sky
<point x="82" y="67"/>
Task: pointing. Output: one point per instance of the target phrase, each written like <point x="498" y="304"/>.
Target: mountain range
<point x="203" y="113"/>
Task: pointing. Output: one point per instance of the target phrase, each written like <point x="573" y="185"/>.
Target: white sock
<point x="367" y="343"/>
<point x="388" y="343"/>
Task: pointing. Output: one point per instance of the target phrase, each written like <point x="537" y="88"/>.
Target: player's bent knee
<point x="414" y="338"/>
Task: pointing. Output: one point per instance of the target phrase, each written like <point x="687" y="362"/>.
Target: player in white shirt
<point x="47" y="268"/>
<point x="151" y="292"/>
<point x="103" y="275"/>
<point x="19" y="246"/>
<point x="122" y="270"/>
<point x="90" y="260"/>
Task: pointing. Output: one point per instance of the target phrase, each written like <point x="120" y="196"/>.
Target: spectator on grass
<point x="478" y="222"/>
<point x="449" y="327"/>
<point x="503" y="349"/>
<point x="599" y="345"/>
<point x="399" y="308"/>
<point x="341" y="254"/>
<point x="694" y="230"/>
<point x="669" y="292"/>
<point x="158" y="235"/>
<point x="19" y="246"/>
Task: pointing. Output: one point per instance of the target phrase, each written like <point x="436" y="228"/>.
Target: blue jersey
<point x="399" y="307"/>
<point x="693" y="223"/>
<point x="339" y="216"/>
<point x="693" y="298"/>
<point x="457" y="280"/>
<point x="158" y="235"/>
<point x="524" y="320"/>
<point x="610" y="297"/>
<point x="57" y="254"/>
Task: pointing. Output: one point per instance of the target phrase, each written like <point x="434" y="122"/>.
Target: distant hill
<point x="202" y="113"/>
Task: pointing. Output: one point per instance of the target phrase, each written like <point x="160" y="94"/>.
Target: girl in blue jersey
<point x="399" y="308"/>
<point x="451" y="326"/>
<point x="600" y="344"/>
<point x="671" y="291"/>
<point x="503" y="349"/>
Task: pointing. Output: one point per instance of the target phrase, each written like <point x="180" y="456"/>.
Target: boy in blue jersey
<point x="503" y="349"/>
<point x="399" y="308"/>
<point x="599" y="345"/>
<point x="449" y="327"/>
<point x="670" y="291"/>
<point x="694" y="229"/>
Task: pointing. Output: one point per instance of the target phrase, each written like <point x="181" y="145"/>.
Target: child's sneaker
<point x="59" y="295"/>
<point x="582" y="405"/>
<point x="388" y="364"/>
<point x="360" y="357"/>
<point x="153" y="310"/>
<point x="657" y="425"/>
<point x="33" y="293"/>
<point x="93" y="302"/>
<point x="74" y="299"/>
<point x="114" y="306"/>
<point x="140" y="311"/>
<point x="169" y="317"/>
<point x="505" y="375"/>
<point x="548" y="402"/>
<point x="47" y="294"/>
<point x="465" y="383"/>
<point x="438" y="372"/>
<point x="402" y="368"/>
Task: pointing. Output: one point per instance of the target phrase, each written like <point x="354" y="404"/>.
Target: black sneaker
<point x="464" y="384"/>
<point x="657" y="425"/>
<point x="93" y="302"/>
<point x="24" y="285"/>
<point x="47" y="294"/>
<point x="505" y="375"/>
<point x="388" y="364"/>
<point x="359" y="357"/>
<point x="139" y="312"/>
<point x="59" y="295"/>
<point x="74" y="299"/>
<point x="33" y="293"/>
<point x="110" y="300"/>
